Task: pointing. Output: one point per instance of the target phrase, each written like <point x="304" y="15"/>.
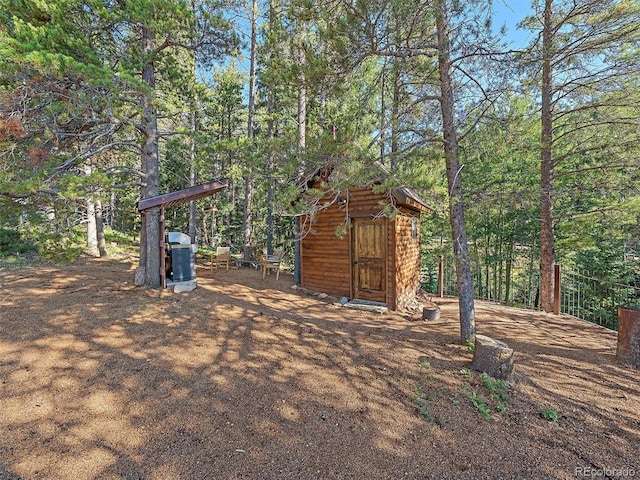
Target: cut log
<point x="430" y="313"/>
<point x="493" y="357"/>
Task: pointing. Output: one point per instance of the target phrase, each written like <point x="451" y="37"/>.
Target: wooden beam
<point x="163" y="252"/>
<point x="183" y="196"/>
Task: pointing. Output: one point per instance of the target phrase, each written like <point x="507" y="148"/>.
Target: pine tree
<point x="581" y="57"/>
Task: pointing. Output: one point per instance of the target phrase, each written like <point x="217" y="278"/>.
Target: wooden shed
<point x="376" y="257"/>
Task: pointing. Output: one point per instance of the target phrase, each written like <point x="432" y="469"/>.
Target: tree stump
<point x="628" y="349"/>
<point x="493" y="357"/>
<point x="430" y="313"/>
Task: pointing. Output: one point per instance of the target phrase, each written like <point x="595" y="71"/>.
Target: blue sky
<point x="509" y="13"/>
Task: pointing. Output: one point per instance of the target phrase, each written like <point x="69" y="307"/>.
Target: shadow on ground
<point x="246" y="378"/>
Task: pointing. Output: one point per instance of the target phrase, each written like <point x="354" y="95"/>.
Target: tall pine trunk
<point x="395" y="114"/>
<point x="150" y="228"/>
<point x="271" y="132"/>
<point x="302" y="142"/>
<point x="547" y="249"/>
<point x="248" y="186"/>
<point x="193" y="174"/>
<point x="456" y="209"/>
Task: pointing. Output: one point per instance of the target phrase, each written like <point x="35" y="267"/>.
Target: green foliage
<point x="421" y="399"/>
<point x="60" y="248"/>
<point x="495" y="398"/>
<point x="471" y="345"/>
<point x="19" y="246"/>
<point x="14" y="243"/>
<point x="47" y="243"/>
<point x="71" y="93"/>
<point x="425" y="363"/>
<point x="120" y="243"/>
<point x="548" y="414"/>
<point x="498" y="389"/>
<point x="481" y="404"/>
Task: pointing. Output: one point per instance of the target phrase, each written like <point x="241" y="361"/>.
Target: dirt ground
<point x="245" y="378"/>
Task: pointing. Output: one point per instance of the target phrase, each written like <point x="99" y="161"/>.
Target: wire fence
<point x="518" y="284"/>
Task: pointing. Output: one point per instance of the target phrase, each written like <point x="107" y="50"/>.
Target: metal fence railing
<point x="517" y="284"/>
<point x="595" y="300"/>
<point x="581" y="295"/>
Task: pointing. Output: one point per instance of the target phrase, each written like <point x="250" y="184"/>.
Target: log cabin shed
<point x="377" y="259"/>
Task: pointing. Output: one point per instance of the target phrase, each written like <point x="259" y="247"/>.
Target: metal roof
<point x="182" y="196"/>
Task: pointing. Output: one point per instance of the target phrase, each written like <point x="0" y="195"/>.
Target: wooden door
<point x="369" y="259"/>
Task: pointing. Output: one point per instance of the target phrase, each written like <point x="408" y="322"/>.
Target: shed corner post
<point x="163" y="272"/>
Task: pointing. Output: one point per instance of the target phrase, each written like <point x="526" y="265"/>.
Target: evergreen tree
<point x="581" y="58"/>
<point x="95" y="67"/>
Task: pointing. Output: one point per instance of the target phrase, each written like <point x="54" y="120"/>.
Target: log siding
<point x="327" y="258"/>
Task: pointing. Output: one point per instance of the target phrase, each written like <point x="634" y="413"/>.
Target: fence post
<point x="441" y="277"/>
<point x="557" y="276"/>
